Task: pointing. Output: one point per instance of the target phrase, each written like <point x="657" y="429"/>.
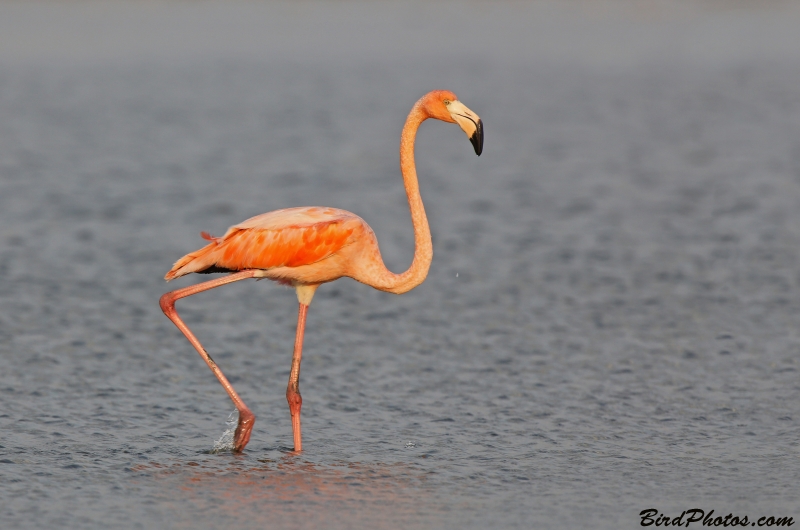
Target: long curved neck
<point x="423" y="247"/>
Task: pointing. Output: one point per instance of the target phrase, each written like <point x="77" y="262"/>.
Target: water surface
<point x="610" y="321"/>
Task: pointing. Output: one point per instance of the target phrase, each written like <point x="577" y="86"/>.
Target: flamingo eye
<point x="446" y="102"/>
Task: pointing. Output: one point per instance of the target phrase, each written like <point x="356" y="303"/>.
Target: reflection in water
<point x="290" y="493"/>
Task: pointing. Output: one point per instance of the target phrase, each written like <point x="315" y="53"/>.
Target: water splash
<point x="225" y="442"/>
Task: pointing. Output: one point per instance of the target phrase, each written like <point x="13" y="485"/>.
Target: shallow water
<point x="610" y="321"/>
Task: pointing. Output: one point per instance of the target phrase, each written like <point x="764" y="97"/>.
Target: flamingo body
<point x="298" y="246"/>
<point x="306" y="247"/>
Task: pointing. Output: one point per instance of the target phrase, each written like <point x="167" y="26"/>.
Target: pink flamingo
<point x="308" y="246"/>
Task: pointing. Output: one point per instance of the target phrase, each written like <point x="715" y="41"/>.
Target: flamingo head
<point x="444" y="105"/>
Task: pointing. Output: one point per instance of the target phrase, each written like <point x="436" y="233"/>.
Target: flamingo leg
<point x="293" y="389"/>
<point x="246" y="417"/>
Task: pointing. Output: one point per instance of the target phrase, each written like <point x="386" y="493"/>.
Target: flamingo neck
<point x="423" y="246"/>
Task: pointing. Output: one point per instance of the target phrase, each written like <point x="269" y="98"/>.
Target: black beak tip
<point x="477" y="138"/>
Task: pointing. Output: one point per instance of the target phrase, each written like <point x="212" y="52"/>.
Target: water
<point x="610" y="321"/>
<point x="225" y="442"/>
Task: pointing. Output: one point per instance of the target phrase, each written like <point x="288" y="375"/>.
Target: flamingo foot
<point x="242" y="435"/>
<point x="295" y="404"/>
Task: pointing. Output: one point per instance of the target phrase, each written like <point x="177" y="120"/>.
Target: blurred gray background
<point x="609" y="324"/>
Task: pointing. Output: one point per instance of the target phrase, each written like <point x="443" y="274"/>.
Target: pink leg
<point x="246" y="418"/>
<point x="293" y="389"/>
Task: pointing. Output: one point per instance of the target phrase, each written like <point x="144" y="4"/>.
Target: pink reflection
<point x="294" y="494"/>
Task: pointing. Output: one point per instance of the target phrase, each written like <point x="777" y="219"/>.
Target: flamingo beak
<point x="469" y="122"/>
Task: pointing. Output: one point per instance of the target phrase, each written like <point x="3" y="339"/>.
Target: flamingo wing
<point x="284" y="238"/>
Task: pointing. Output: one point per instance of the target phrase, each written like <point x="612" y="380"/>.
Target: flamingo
<point x="308" y="246"/>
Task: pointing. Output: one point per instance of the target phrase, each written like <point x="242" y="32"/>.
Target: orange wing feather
<point x="285" y="238"/>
